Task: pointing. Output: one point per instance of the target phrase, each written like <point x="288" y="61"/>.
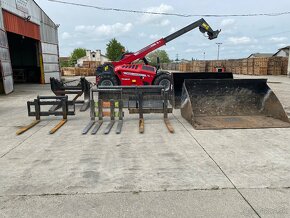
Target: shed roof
<point x="261" y="55"/>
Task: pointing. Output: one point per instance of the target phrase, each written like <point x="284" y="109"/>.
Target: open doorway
<point x="24" y="54"/>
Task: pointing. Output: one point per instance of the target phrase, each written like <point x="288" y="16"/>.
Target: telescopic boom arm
<point x="203" y="27"/>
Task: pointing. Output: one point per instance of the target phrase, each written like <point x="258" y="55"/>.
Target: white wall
<point x="89" y="57"/>
<point x="281" y="53"/>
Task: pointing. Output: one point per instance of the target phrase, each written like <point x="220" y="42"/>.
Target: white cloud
<point x="157" y="19"/>
<point x="77" y="43"/>
<point x="165" y="22"/>
<point x="141" y="35"/>
<point x="240" y="40"/>
<point x="65" y="35"/>
<point x="83" y="28"/>
<point x="227" y="22"/>
<point x="168" y="49"/>
<point x="114" y="29"/>
<point x="172" y="30"/>
<point x="278" y="39"/>
<point x="154" y="36"/>
<point x="281" y="45"/>
<point x="193" y="50"/>
<point x="105" y="30"/>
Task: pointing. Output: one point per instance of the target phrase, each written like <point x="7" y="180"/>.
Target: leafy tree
<point x="76" y="54"/>
<point x="162" y="54"/>
<point x="114" y="50"/>
<point x="64" y="63"/>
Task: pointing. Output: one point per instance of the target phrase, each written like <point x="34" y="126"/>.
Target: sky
<point x="92" y="29"/>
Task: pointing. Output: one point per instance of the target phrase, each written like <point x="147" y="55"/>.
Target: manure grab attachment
<point x="39" y="108"/>
<point x="82" y="88"/>
<point x="138" y="99"/>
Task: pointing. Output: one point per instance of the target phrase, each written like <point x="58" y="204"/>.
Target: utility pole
<point x="176" y="58"/>
<point x="218" y="54"/>
<point x="204" y="55"/>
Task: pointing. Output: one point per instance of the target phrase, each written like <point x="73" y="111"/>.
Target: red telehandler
<point x="126" y="73"/>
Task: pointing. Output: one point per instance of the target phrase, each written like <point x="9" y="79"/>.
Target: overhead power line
<point x="171" y="14"/>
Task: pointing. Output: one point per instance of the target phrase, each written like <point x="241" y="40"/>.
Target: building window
<point x="94" y="55"/>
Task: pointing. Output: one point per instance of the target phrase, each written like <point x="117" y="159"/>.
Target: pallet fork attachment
<point x="138" y="100"/>
<point x="67" y="108"/>
<point x="97" y="109"/>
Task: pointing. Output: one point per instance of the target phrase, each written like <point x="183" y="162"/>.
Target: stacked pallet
<point x="170" y="66"/>
<point x="275" y="66"/>
<point x="68" y="71"/>
<point x="197" y="66"/>
<point x="247" y="66"/>
<point x="237" y="67"/>
<point x="284" y="66"/>
<point x="91" y="64"/>
<point x="185" y="67"/>
<point x="250" y="66"/>
<point x="260" y="66"/>
<point x="77" y="71"/>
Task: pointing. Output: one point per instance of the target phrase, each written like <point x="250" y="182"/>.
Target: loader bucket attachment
<point x="178" y="80"/>
<point x="231" y="103"/>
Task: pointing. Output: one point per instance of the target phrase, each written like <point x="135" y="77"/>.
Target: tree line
<point x="114" y="51"/>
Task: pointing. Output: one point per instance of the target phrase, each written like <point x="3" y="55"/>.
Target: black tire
<point x="164" y="80"/>
<point x="108" y="80"/>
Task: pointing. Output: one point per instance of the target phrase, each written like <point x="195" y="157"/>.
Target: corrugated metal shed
<point x="39" y="26"/>
<point x="18" y="25"/>
<point x="32" y="9"/>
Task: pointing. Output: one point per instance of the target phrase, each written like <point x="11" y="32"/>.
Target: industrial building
<point x="92" y="56"/>
<point x="29" y="51"/>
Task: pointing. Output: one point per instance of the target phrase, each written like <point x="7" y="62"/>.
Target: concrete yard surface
<point x="191" y="173"/>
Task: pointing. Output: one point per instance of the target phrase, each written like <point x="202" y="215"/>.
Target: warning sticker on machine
<point x="134" y="74"/>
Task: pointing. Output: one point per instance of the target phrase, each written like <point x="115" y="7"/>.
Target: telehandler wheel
<point x="164" y="80"/>
<point x="108" y="80"/>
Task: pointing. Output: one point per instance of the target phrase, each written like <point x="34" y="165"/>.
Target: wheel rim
<point x="106" y="82"/>
<point x="165" y="83"/>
